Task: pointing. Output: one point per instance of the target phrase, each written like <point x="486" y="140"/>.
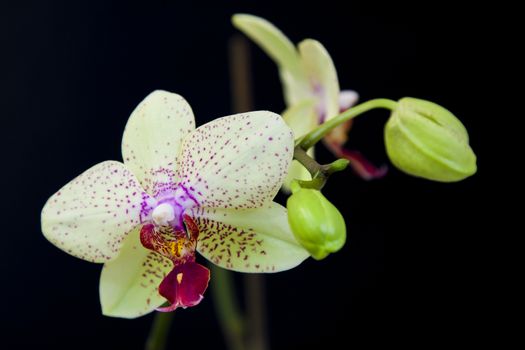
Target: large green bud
<point x="426" y="140"/>
<point x="316" y="223"/>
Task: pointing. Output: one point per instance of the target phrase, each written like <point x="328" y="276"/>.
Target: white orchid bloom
<point x="179" y="190"/>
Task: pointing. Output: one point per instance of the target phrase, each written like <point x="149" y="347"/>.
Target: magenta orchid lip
<point x="186" y="283"/>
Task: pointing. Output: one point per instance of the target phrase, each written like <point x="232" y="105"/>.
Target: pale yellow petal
<point x="276" y="45"/>
<point x="321" y="72"/>
<point x="271" y="40"/>
<point x="302" y="117"/>
<point x="252" y="240"/>
<point x="91" y="215"/>
<point x="153" y="137"/>
<point x="129" y="284"/>
<point x="237" y="161"/>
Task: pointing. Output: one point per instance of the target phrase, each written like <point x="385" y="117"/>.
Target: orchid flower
<point x="311" y="91"/>
<point x="179" y="190"/>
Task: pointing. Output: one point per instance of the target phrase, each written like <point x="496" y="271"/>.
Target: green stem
<point x="320" y="173"/>
<point x="308" y="162"/>
<point x="228" y="313"/>
<point x="255" y="312"/>
<point x="158" y="335"/>
<point x="317" y="134"/>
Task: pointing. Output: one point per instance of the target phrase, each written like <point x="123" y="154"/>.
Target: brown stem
<point x="320" y="173"/>
<point x="242" y="101"/>
<point x="308" y="162"/>
<point x="227" y="309"/>
<point x="256" y="312"/>
<point x="158" y="336"/>
<point x="240" y="75"/>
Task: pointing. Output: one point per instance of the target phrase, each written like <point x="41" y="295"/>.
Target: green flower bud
<point x="316" y="223"/>
<point x="426" y="140"/>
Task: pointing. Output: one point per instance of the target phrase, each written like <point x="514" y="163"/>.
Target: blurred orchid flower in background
<point x="179" y="190"/>
<point x="311" y="91"/>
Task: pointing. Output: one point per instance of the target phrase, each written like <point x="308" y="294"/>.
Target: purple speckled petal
<point x="129" y="284"/>
<point x="91" y="215"/>
<point x="252" y="240"/>
<point x="153" y="137"/>
<point x="237" y="161"/>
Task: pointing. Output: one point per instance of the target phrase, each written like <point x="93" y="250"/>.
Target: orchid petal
<point x="184" y="286"/>
<point x="239" y="161"/>
<point x="91" y="215"/>
<point x="129" y="284"/>
<point x="336" y="138"/>
<point x="339" y="135"/>
<point x="359" y="164"/>
<point x="253" y="240"/>
<point x="322" y="74"/>
<point x="347" y="98"/>
<point x="362" y="167"/>
<point x="302" y="117"/>
<point x="153" y="137"/>
<point x="281" y="50"/>
<point x="270" y="39"/>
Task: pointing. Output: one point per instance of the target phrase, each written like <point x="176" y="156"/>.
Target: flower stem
<point x="308" y="162"/>
<point x="318" y="133"/>
<point x="158" y="335"/>
<point x="254" y="336"/>
<point x="256" y="312"/>
<point x="228" y="313"/>
<point x="320" y="173"/>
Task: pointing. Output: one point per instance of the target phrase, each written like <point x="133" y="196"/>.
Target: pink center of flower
<point x="169" y="207"/>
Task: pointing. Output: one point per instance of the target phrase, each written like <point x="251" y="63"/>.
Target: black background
<point x="72" y="73"/>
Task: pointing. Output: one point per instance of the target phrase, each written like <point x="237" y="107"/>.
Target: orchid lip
<point x="185" y="285"/>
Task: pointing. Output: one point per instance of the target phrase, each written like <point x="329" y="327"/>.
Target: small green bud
<point x="316" y="223"/>
<point x="426" y="140"/>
